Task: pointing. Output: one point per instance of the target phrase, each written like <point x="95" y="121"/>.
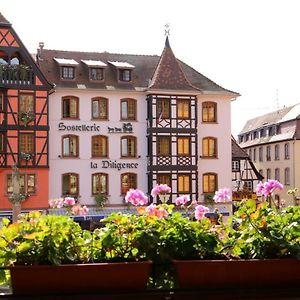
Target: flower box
<point x="79" y="278"/>
<point x="237" y="273"/>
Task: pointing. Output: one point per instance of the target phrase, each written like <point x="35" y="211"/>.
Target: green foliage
<point x="101" y="199"/>
<point x="261" y="232"/>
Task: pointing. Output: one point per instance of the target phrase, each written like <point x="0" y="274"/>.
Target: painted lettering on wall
<point x="109" y="164"/>
<point x="83" y="127"/>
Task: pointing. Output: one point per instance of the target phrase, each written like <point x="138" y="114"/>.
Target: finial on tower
<point x="167" y="33"/>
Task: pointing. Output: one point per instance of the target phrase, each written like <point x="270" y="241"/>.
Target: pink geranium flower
<point x="267" y="188"/>
<point x="182" y="200"/>
<point x="200" y="212"/>
<point x="222" y="195"/>
<point x="69" y="201"/>
<point x="160" y="189"/>
<point x="136" y="197"/>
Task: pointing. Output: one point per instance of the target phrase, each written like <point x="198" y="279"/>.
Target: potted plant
<point x="101" y="199"/>
<point x="26" y="117"/>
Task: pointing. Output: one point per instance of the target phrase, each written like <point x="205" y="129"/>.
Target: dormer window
<point x="96" y="69"/>
<point x="67" y="72"/>
<point x="125" y="75"/>
<point x="124" y="70"/>
<point x="67" y="68"/>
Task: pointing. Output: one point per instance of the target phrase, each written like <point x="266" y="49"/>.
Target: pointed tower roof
<point x="3" y="20"/>
<point x="168" y="74"/>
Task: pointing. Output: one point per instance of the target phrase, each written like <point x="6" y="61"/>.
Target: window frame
<point x="260" y="153"/>
<point x="76" y="175"/>
<point x="184" y="191"/>
<point x="287" y="176"/>
<point x="99" y="100"/>
<point x="268" y="173"/>
<point x="286" y="151"/>
<point x="268" y="153"/>
<point x="62" y="73"/>
<point x="183" y="153"/>
<point x="210" y="140"/>
<point x="158" y="142"/>
<point x="102" y="138"/>
<point x="180" y="109"/>
<point x="63" y="115"/>
<point x="76" y="138"/>
<point x="121" y="77"/>
<point x="277" y="152"/>
<point x="97" y="69"/>
<point x="161" y="112"/>
<point x="206" y="114"/>
<point x="128" y="101"/>
<point x="28" y="134"/>
<point x="160" y="177"/>
<point x="134" y="176"/>
<point x="100" y="174"/>
<point x="129" y="139"/>
<point x="26" y="179"/>
<point x="235" y="166"/>
<point x="1" y="101"/>
<point x="215" y="176"/>
<point x="277" y="174"/>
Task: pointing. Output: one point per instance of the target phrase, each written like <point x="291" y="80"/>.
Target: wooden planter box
<point x="237" y="273"/>
<point x="80" y="278"/>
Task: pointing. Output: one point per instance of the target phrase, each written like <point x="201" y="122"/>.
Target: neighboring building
<point x="24" y="128"/>
<point x="272" y="142"/>
<point x="123" y="121"/>
<point x="245" y="176"/>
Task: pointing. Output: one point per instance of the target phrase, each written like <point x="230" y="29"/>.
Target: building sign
<point x="83" y="127"/>
<point x="127" y="127"/>
<point x="109" y="164"/>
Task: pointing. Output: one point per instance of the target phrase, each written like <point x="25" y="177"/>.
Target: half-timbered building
<point x="121" y="121"/>
<point x="24" y="129"/>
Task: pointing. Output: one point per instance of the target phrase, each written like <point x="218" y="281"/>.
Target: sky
<point x="248" y="46"/>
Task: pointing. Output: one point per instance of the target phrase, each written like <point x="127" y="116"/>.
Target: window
<point x="247" y="185"/>
<point x="128" y="181"/>
<point x="277" y="174"/>
<point x="183" y="109"/>
<point x="67" y="72"/>
<point x="26" y="142"/>
<point x="286" y="151"/>
<point x="235" y="165"/>
<point x="96" y="74"/>
<point x="276" y="152"/>
<point x="183" y="146"/>
<point x="209" y="183"/>
<point x="209" y="112"/>
<point x="164" y="179"/>
<point x="70" y="107"/>
<point x="128" y="109"/>
<point x="268" y="154"/>
<point x="125" y="75"/>
<point x="268" y="173"/>
<point x="100" y="108"/>
<point x="163" y="109"/>
<point x="27" y="184"/>
<point x="287" y="176"/>
<point x="128" y="146"/>
<point x="262" y="133"/>
<point x="70" y="146"/>
<point x="26" y="103"/>
<point x="163" y="146"/>
<point x="99" y="146"/>
<point x="70" y="184"/>
<point x="250" y="153"/>
<point x="1" y="101"/>
<point x="184" y="184"/>
<point x="260" y="153"/>
<point x="99" y="183"/>
<point x="209" y="147"/>
<point x="254" y="154"/>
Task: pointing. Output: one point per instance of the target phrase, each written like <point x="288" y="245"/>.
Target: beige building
<point x="273" y="144"/>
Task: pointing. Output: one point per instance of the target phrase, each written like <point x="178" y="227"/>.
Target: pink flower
<point x="222" y="195"/>
<point x="79" y="210"/>
<point x="83" y="211"/>
<point x="150" y="210"/>
<point x="182" y="200"/>
<point x="56" y="203"/>
<point x="69" y="201"/>
<point x="200" y="212"/>
<point x="161" y="213"/>
<point x="268" y="187"/>
<point x="158" y="211"/>
<point x="160" y="189"/>
<point x="136" y="197"/>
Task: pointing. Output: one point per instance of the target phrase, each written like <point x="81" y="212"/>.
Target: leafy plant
<point x="26" y="117"/>
<point x="101" y="199"/>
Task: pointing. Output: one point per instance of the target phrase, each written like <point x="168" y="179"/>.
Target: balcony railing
<point x="16" y="75"/>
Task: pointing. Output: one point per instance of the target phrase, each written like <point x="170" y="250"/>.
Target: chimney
<point x="40" y="50"/>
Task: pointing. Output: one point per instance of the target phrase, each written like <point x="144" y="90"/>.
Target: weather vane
<point x="167" y="29"/>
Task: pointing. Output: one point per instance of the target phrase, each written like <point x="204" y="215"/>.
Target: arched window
<point x="70" y="107"/>
<point x="277" y="174"/>
<point x="128" y="109"/>
<point x="70" y="184"/>
<point x="209" y="147"/>
<point x="128" y="181"/>
<point x="99" y="108"/>
<point x="287" y="151"/>
<point x="287" y="179"/>
<point x="128" y="146"/>
<point x="99" y="146"/>
<point x="209" y="112"/>
<point x="99" y="183"/>
<point x="70" y="145"/>
<point x="210" y="182"/>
